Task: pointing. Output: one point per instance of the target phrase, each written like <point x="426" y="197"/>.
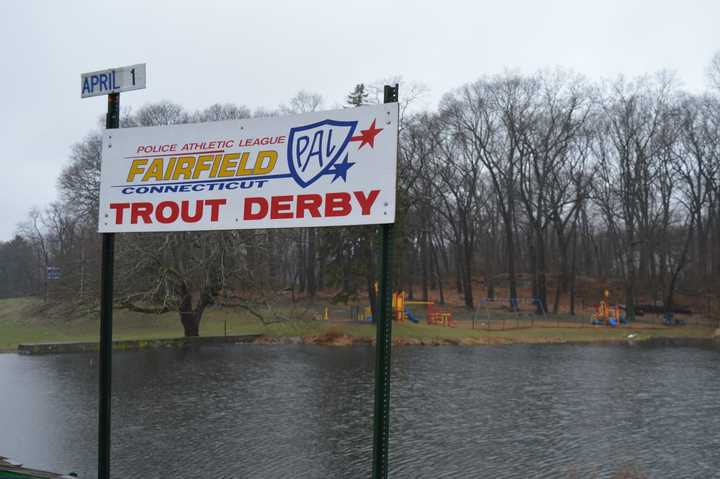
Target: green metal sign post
<point x="383" y="341"/>
<point x="106" y="299"/>
<point x="108" y="82"/>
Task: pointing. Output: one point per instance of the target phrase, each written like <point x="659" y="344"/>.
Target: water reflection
<point x="306" y="412"/>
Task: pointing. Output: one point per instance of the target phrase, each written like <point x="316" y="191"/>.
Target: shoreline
<point x="344" y="340"/>
<point x="348" y="341"/>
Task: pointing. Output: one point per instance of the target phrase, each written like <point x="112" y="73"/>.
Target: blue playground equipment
<point x="669" y="320"/>
<point x="411" y="317"/>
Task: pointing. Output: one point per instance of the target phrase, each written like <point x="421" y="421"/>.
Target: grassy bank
<point x="26" y="320"/>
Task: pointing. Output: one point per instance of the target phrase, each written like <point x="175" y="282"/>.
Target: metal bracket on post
<point x="106" y="301"/>
<point x="383" y="342"/>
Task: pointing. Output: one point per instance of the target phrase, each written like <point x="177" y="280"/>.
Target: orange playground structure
<point x="607" y="314"/>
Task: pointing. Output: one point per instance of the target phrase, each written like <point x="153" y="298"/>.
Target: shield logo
<point x="313" y="149"/>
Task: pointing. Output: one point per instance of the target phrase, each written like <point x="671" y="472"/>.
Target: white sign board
<point x="114" y="80"/>
<point x="333" y="168"/>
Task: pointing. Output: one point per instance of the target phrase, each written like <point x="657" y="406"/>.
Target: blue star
<point x="341" y="169"/>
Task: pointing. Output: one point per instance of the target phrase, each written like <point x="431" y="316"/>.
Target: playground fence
<point x="496" y="314"/>
<point x="515" y="308"/>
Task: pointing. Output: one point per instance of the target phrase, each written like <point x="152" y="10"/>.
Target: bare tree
<point x="634" y="116"/>
<point x="713" y="71"/>
<point x="32" y="230"/>
<point x="476" y="114"/>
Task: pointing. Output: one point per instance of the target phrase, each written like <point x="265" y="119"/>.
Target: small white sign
<point x="114" y="80"/>
<point x="331" y="168"/>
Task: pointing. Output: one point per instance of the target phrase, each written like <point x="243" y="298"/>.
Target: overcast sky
<point x="260" y="53"/>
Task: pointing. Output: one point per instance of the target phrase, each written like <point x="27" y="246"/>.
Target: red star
<point x="367" y="137"/>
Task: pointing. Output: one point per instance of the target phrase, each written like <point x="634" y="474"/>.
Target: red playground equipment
<point x="439" y="316"/>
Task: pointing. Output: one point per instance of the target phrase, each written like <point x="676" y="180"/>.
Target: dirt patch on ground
<point x="278" y="340"/>
<point x="340" y="340"/>
<point x="330" y="339"/>
<point x="322" y="339"/>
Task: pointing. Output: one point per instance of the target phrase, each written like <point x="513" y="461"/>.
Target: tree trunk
<point x="372" y="298"/>
<point x="371" y="275"/>
<point x="510" y="247"/>
<point x="302" y="270"/>
<point x="556" y="302"/>
<point x="489" y="268"/>
<point x="563" y="280"/>
<point x="458" y="268"/>
<point x="540" y="273"/>
<point x="411" y="254"/>
<point x="322" y="263"/>
<point x="310" y="263"/>
<point x="630" y="284"/>
<point x="425" y="256"/>
<point x="680" y="265"/>
<point x="573" y="267"/>
<point x="438" y="275"/>
<point x="273" y="260"/>
<point x="191" y="323"/>
<point x="701" y="257"/>
<point x="715" y="268"/>
<point x="467" y="269"/>
<point x="189" y="319"/>
<point x="347" y="284"/>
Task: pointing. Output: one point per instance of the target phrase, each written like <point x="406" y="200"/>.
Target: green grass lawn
<point x="27" y="320"/>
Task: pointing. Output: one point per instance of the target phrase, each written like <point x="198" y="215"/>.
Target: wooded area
<point x="515" y="181"/>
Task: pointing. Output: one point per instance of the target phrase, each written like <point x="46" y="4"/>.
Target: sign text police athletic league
<point x="331" y="168"/>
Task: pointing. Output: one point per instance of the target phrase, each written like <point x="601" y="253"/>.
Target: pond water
<point x="306" y="412"/>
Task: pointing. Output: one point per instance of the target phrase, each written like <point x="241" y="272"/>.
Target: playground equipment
<point x="400" y="312"/>
<point x="398" y="306"/>
<point x="439" y="316"/>
<point x="607" y="314"/>
<point x="434" y="314"/>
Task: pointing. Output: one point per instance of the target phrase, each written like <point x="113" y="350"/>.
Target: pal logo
<point x="314" y="150"/>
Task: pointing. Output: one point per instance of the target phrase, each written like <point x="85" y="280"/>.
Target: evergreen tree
<point x="358" y="97"/>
